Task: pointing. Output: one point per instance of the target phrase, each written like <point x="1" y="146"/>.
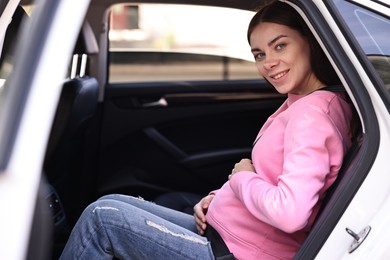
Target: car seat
<point x="64" y="163"/>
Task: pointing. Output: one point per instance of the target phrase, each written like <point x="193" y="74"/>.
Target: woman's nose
<point x="270" y="62"/>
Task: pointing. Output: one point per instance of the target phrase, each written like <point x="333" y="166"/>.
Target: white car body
<point x="20" y="178"/>
<point x="34" y="127"/>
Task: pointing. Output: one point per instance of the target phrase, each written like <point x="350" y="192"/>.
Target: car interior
<point x="149" y="139"/>
<point x="68" y="143"/>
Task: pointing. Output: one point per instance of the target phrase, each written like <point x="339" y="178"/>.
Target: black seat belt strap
<point x="220" y="250"/>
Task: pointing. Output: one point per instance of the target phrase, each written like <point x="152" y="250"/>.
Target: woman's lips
<point x="279" y="75"/>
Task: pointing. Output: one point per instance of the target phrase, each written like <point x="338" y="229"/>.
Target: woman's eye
<point x="259" y="56"/>
<point x="280" y="46"/>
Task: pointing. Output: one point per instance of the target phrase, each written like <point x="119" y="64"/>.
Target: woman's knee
<point x="110" y="197"/>
<point x="104" y="203"/>
<point x="102" y="211"/>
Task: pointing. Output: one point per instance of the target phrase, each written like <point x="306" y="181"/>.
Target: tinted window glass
<point x="373" y="34"/>
<point x="151" y="42"/>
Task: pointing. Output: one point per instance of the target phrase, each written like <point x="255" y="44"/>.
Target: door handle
<point x="162" y="102"/>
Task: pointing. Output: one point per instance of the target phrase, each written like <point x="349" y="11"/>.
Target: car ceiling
<point x="241" y="4"/>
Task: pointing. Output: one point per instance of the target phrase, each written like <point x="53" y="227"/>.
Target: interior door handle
<point x="162" y="102"/>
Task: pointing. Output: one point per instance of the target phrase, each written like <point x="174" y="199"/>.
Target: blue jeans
<point x="125" y="227"/>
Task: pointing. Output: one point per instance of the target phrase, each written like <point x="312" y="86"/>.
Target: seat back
<point x="76" y="107"/>
<point x="68" y="142"/>
<point x="67" y="149"/>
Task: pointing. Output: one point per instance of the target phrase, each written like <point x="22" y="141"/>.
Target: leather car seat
<point x="67" y="147"/>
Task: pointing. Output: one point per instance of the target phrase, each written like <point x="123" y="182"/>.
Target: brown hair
<point x="284" y="14"/>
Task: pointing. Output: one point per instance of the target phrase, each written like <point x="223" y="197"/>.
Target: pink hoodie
<point x="297" y="156"/>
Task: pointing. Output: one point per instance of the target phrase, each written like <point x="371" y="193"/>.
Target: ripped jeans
<point x="125" y="227"/>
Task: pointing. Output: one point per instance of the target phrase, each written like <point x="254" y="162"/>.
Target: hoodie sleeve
<point x="313" y="153"/>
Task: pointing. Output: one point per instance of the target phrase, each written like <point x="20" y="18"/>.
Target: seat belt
<point x="220" y="250"/>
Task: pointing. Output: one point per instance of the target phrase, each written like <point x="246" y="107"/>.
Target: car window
<point x="151" y="42"/>
<point x="372" y="32"/>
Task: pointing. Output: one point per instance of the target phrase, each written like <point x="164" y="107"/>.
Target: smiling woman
<point x="296" y="157"/>
<point x="178" y="111"/>
<point x="297" y="37"/>
<point x="282" y="59"/>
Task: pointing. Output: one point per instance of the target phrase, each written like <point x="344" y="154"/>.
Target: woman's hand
<point x="200" y="210"/>
<point x="243" y="165"/>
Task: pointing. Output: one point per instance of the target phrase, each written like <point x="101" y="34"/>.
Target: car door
<point x="180" y="108"/>
<point x="359" y="32"/>
<point x="28" y="95"/>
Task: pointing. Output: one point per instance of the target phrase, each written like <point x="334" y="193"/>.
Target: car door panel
<point x="188" y="140"/>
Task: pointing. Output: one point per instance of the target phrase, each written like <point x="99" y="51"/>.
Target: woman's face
<point x="283" y="58"/>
